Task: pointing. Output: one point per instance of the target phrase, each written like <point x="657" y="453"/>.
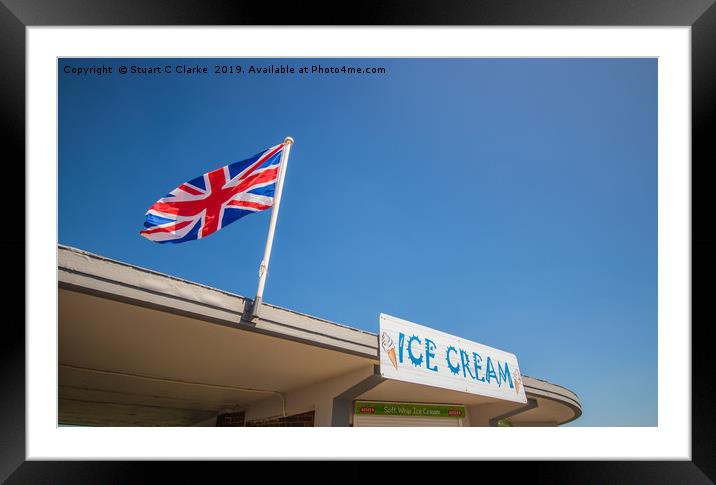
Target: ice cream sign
<point x="414" y="353"/>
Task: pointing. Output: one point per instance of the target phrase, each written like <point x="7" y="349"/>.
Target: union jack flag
<point x="204" y="205"/>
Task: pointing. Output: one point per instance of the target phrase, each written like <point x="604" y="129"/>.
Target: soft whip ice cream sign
<point x="414" y="353"/>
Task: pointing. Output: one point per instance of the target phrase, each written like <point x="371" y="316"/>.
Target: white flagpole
<point x="263" y="269"/>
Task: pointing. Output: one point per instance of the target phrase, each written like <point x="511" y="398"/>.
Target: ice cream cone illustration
<point x="389" y="348"/>
<point x="393" y="358"/>
<point x="518" y="382"/>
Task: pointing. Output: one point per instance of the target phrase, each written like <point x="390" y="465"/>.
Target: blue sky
<point x="512" y="202"/>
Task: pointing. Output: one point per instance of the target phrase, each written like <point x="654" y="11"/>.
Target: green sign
<point x="407" y="409"/>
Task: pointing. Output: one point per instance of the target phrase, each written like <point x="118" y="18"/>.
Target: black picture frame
<point x="700" y="15"/>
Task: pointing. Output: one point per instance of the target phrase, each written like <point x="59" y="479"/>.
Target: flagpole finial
<point x="288" y="140"/>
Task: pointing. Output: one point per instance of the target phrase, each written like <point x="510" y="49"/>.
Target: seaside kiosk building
<point x="140" y="348"/>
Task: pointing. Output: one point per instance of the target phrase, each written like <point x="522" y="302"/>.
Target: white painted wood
<point x="414" y="353"/>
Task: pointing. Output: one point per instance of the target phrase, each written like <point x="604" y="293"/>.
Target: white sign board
<point x="413" y="353"/>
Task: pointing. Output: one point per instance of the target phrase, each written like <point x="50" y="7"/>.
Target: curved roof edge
<point x="83" y="271"/>
<point x="554" y="392"/>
